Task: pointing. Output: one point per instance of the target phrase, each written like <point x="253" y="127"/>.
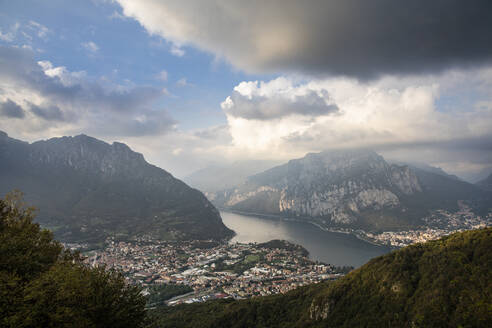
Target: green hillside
<point x="44" y="285"/>
<point x="443" y="283"/>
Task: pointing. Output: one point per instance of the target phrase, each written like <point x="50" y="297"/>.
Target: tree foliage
<point x="43" y="285"/>
<point x="158" y="294"/>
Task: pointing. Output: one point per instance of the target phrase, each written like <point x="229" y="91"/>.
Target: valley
<point x="237" y="164"/>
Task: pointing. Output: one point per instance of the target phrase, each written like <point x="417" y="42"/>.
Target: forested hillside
<point x="43" y="285"/>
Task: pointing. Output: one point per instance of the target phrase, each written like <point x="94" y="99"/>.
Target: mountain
<point x="428" y="168"/>
<point x="486" y="183"/>
<point x="474" y="177"/>
<point x="441" y="283"/>
<point x="219" y="177"/>
<point x="87" y="190"/>
<point x="354" y="188"/>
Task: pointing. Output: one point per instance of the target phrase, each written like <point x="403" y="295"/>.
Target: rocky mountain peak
<point x="87" y="188"/>
<point x="335" y="186"/>
<point x="84" y="153"/>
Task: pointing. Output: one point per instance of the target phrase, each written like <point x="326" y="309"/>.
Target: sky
<point x="194" y="83"/>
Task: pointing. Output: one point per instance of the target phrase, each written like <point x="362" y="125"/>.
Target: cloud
<point x="364" y="39"/>
<point x="9" y="108"/>
<point x="145" y="124"/>
<point x="403" y="117"/>
<point x="163" y="75"/>
<point x="10" y="35"/>
<point x="166" y="92"/>
<point x="27" y="30"/>
<point x="58" y="101"/>
<point x="49" y="113"/>
<point x="220" y="132"/>
<point x="183" y="152"/>
<point x="276" y="99"/>
<point x="40" y="30"/>
<point x="177" y="51"/>
<point x="117" y="15"/>
<point x="90" y="47"/>
<point x="182" y="82"/>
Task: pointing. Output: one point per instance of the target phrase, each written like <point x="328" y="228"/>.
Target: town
<point x="440" y="223"/>
<point x="214" y="270"/>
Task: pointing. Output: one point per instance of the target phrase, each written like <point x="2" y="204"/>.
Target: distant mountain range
<point x="355" y="188"/>
<point x="441" y="283"/>
<point x="87" y="190"/>
<point x="219" y="177"/>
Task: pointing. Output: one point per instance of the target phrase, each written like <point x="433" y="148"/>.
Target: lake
<point x="329" y="247"/>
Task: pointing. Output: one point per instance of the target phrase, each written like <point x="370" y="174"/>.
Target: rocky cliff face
<point x="355" y="189"/>
<point x="88" y="189"/>
<point x="334" y="186"/>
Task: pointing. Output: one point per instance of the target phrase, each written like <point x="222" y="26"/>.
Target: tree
<point x="44" y="285"/>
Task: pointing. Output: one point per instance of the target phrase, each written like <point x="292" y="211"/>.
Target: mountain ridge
<point x="355" y="188"/>
<point x="86" y="186"/>
<point x="486" y="183"/>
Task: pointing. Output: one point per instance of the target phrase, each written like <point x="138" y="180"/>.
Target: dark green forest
<point x="44" y="285"/>
<point x="158" y="294"/>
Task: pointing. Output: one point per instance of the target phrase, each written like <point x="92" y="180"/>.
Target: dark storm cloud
<point x="369" y="38"/>
<point x="357" y="38"/>
<point x="11" y="109"/>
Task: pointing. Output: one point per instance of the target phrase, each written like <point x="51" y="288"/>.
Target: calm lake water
<point x="329" y="247"/>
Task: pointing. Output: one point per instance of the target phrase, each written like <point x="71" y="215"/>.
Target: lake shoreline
<point x="334" y="247"/>
<point x="282" y="218"/>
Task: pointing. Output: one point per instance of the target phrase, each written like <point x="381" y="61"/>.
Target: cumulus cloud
<point x="56" y="100"/>
<point x="389" y="115"/>
<point x="411" y="119"/>
<point x="364" y="39"/>
<point x="9" y="108"/>
<point x="276" y="99"/>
